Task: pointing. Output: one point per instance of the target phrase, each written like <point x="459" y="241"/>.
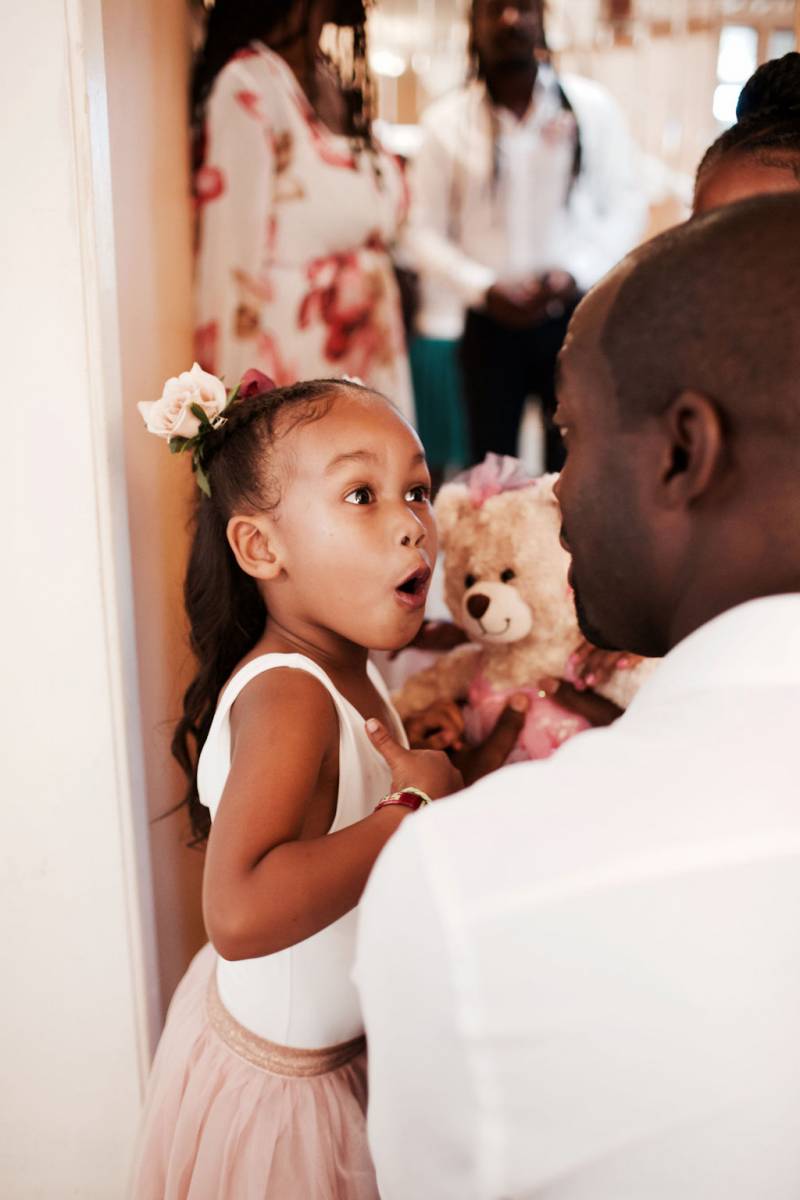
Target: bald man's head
<point x="714" y="306"/>
<point x="679" y="395"/>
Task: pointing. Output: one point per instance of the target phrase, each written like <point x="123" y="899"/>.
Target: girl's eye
<point x="507" y="575"/>
<point x="469" y="581"/>
<point x="359" y="495"/>
<point x="419" y="494"/>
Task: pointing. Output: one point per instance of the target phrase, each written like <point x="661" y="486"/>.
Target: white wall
<point x="147" y="68"/>
<point x="75" y="1015"/>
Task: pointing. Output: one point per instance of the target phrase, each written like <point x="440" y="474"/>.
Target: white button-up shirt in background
<point x="473" y="223"/>
<point x="581" y="977"/>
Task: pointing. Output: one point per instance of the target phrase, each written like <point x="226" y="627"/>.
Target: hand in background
<point x="590" y="667"/>
<point x="526" y="303"/>
<point x="560" y="285"/>
<point x="434" y="635"/>
<point x="476" y="761"/>
<point x="587" y="704"/>
<point x="517" y="305"/>
<point x="438" y="727"/>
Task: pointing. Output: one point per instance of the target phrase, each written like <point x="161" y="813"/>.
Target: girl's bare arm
<point x="268" y="883"/>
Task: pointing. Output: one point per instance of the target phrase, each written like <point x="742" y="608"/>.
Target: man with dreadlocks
<point x="525" y="193"/>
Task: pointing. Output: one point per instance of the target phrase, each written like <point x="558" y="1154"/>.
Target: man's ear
<point x="694" y="450"/>
<point x="251" y="538"/>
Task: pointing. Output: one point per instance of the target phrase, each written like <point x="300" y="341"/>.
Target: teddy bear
<point x="505" y="583"/>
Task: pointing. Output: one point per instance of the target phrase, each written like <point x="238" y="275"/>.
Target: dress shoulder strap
<point x="268" y="662"/>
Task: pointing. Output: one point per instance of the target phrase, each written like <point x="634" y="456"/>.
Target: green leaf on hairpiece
<point x="202" y="479"/>
<point x="176" y="444"/>
<point x="234" y="392"/>
<point x="201" y="415"/>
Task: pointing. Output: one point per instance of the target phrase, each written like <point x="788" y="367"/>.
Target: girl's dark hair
<point x="233" y="24"/>
<point x="224" y="605"/>
<point x="768" y="119"/>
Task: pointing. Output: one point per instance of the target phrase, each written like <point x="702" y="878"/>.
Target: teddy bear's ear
<point x="451" y="503"/>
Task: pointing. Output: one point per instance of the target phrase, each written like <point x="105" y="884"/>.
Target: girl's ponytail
<point x="226" y="619"/>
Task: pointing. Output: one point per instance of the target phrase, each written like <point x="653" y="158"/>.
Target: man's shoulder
<point x="588" y="97"/>
<point x="529" y="802"/>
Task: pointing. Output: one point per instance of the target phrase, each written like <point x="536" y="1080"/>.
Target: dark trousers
<point x="502" y="368"/>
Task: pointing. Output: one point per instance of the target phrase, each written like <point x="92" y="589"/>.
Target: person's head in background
<point x="507" y="44"/>
<point x="290" y="28"/>
<point x="761" y="152"/>
<point x="506" y="37"/>
<point x="679" y="400"/>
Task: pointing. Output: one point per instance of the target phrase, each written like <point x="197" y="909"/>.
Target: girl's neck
<point x="334" y="654"/>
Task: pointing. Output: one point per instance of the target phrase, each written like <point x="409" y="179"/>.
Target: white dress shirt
<point x="471" y="225"/>
<point x="581" y="977"/>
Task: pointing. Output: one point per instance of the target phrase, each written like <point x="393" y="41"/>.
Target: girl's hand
<point x="429" y="770"/>
<point x="437" y="727"/>
<point x="589" y="667"/>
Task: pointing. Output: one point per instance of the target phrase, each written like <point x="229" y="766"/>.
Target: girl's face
<point x="735" y="177"/>
<point x="354" y="531"/>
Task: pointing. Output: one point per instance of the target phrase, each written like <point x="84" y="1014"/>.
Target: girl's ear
<point x="452" y="501"/>
<point x="250" y="539"/>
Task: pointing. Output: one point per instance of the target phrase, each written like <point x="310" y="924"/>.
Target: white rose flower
<point x="171" y="416"/>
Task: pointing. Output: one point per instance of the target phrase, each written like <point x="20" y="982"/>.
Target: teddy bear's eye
<point x="507" y="575"/>
<point x="469" y="581"/>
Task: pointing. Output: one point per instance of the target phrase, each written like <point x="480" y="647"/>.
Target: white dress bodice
<point x="301" y="996"/>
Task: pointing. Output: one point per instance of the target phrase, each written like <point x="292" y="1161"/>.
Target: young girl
<point x="314" y="543"/>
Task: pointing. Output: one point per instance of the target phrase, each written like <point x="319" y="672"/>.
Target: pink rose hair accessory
<point x="497" y="473"/>
<point x="191" y="406"/>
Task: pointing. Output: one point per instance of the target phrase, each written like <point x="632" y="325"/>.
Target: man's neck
<point x="512" y="87"/>
<point x="704" y="607"/>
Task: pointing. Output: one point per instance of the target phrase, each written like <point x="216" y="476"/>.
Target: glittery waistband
<point x="278" y="1060"/>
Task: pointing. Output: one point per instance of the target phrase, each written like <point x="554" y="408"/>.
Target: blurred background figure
<point x="297" y="204"/>
<point x="436" y="374"/>
<point x="525" y="192"/>
<point x="761" y="152"/>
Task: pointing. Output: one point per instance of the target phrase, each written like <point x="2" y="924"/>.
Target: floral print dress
<point x="293" y="269"/>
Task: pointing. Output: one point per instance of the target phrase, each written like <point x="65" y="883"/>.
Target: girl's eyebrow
<point x="360" y="456"/>
<point x="350" y="457"/>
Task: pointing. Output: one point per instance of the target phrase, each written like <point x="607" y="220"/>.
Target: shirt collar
<point x="756" y="644"/>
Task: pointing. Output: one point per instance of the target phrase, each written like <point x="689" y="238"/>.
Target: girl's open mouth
<point x="413" y="591"/>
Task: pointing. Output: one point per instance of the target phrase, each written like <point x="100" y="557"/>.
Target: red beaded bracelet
<point x="409" y="797"/>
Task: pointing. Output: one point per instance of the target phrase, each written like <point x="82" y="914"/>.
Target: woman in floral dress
<point x="297" y="206"/>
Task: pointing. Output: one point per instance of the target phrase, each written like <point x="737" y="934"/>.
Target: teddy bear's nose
<point x="477" y="605"/>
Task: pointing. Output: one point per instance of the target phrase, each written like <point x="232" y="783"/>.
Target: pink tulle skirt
<point x="230" y="1116"/>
